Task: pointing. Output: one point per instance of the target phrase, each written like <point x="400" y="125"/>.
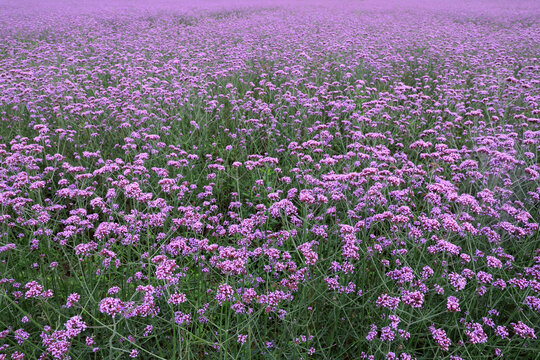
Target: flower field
<point x="269" y="179"/>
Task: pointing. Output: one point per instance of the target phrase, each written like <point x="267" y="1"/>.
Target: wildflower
<point x="440" y="337"/>
<point x="523" y="330"/>
<point x="241" y="339"/>
<point x="453" y="304"/>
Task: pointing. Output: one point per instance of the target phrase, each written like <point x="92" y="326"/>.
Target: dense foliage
<point x="269" y="180"/>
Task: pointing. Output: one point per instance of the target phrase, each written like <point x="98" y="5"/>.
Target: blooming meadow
<point x="269" y="180"/>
